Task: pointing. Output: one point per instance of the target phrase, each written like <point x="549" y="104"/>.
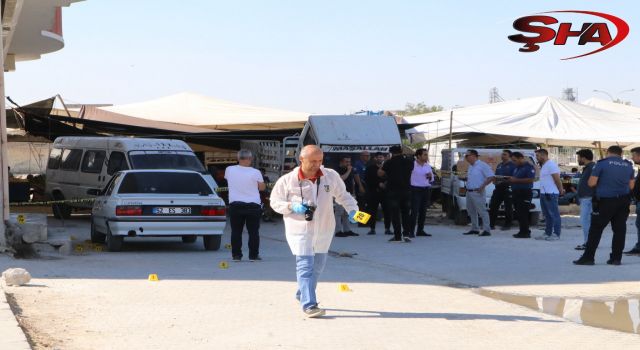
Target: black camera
<point x="308" y="214"/>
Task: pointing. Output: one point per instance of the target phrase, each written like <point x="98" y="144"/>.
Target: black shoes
<point x="522" y="235"/>
<point x="388" y="232"/>
<point x="583" y="261"/>
<point x="405" y="240"/>
<point x="614" y="262"/>
<point x="634" y="251"/>
<point x="255" y="258"/>
<point x="409" y="235"/>
<point x="485" y="234"/>
<point x="341" y="234"/>
<point x="351" y="233"/>
<point x="471" y="233"/>
<point x="580" y="247"/>
<point x="371" y="233"/>
<point x="236" y="258"/>
<point x="423" y="234"/>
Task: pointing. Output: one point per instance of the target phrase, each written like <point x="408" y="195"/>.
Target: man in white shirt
<point x="479" y="175"/>
<point x="421" y="178"/>
<point x="245" y="184"/>
<point x="550" y="190"/>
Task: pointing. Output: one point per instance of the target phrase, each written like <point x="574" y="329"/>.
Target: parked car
<point x="157" y="203"/>
<point x="78" y="163"/>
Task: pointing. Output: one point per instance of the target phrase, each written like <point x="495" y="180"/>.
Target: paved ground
<point x="404" y="296"/>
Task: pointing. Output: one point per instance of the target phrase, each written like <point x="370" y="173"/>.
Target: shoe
<point x="485" y="234"/>
<point x="522" y="235"/>
<point x="394" y="240"/>
<point x="406" y="240"/>
<point x="471" y="233"/>
<point x="493" y="227"/>
<point x="371" y="233"/>
<point x="583" y="261"/>
<point x="236" y="258"/>
<point x="614" y="262"/>
<point x="552" y="238"/>
<point x="409" y="235"/>
<point x="634" y="251"/>
<point x="581" y="247"/>
<point x="505" y="228"/>
<point x="388" y="232"/>
<point x="351" y="233"/>
<point x="341" y="234"/>
<point x="314" y="311"/>
<point x="255" y="258"/>
<point x="541" y="237"/>
<point x="423" y="234"/>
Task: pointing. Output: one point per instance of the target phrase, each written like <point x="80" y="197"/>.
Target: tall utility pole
<point x="4" y="171"/>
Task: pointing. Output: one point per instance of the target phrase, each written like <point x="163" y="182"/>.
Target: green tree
<point x="419" y="108"/>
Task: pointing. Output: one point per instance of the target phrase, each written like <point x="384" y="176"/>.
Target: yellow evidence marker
<point x="362" y="217"/>
<point x="79" y="249"/>
<point x="344" y="288"/>
<point x="21" y="219"/>
<point x="223" y="265"/>
<point x="227" y="246"/>
<point x="153" y="277"/>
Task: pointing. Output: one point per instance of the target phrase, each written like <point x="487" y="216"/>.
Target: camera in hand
<point x="308" y="214"/>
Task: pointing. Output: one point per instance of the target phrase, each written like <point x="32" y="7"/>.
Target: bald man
<point x="305" y="198"/>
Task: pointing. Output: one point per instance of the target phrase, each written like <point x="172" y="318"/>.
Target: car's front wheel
<point x="96" y="237"/>
<point x="212" y="242"/>
<point x="189" y="239"/>
<point x="114" y="243"/>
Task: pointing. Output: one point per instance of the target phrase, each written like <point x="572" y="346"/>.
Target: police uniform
<point x="522" y="194"/>
<point x="502" y="193"/>
<point x="610" y="204"/>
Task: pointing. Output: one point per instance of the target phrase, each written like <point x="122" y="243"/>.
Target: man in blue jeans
<point x="585" y="194"/>
<point x="635" y="156"/>
<point x="305" y="199"/>
<point x="550" y="189"/>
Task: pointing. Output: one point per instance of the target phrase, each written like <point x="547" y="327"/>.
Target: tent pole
<point x="450" y="128"/>
<point x="599" y="143"/>
<point x="4" y="160"/>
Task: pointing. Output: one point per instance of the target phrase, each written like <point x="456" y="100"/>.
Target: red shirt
<point x="313" y="179"/>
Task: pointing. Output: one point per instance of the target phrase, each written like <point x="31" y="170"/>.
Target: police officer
<point x="521" y="185"/>
<point x="502" y="191"/>
<point x="613" y="180"/>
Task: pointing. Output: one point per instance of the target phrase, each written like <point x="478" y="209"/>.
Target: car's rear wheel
<point x="189" y="239"/>
<point x="114" y="243"/>
<point x="212" y="242"/>
<point x="96" y="237"/>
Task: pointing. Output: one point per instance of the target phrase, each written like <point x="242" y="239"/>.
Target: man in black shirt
<point x="398" y="173"/>
<point x="585" y="194"/>
<point x="348" y="174"/>
<point x="635" y="155"/>
<point x="376" y="194"/>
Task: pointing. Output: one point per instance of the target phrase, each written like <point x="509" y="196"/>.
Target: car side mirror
<point x="94" y="192"/>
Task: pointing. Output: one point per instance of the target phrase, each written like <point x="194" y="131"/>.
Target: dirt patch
<point x="36" y="340"/>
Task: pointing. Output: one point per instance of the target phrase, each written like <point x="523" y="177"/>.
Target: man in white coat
<point x="305" y="198"/>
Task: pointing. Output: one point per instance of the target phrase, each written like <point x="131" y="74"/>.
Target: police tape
<point x="88" y="200"/>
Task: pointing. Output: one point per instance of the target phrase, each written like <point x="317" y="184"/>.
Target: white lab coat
<point x="310" y="237"/>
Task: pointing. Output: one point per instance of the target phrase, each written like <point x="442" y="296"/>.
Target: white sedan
<point x="157" y="203"/>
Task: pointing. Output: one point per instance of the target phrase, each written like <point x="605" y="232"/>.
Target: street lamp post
<point x="618" y="94"/>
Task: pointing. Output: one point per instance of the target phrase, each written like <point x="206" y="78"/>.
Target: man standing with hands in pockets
<point x="305" y="198"/>
<point x="479" y="176"/>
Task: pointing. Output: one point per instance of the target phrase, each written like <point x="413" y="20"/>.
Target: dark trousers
<point x="522" y="205"/>
<point x="420" y="200"/>
<point x="501" y="194"/>
<point x="241" y="213"/>
<point x="374" y="200"/>
<point x="605" y="211"/>
<point x="399" y="204"/>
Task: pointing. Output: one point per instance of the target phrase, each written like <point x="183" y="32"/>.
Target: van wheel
<point x="460" y="217"/>
<point x="96" y="237"/>
<point x="212" y="242"/>
<point x="534" y="218"/>
<point x="189" y="239"/>
<point x="60" y="211"/>
<point x="114" y="243"/>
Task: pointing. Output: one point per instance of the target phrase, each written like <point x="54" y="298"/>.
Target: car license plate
<point x="172" y="211"/>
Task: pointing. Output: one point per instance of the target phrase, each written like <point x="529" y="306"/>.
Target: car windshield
<point x="166" y="160"/>
<point x="164" y="183"/>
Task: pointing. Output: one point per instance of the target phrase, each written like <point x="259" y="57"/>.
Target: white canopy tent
<point x="207" y="112"/>
<point x="544" y="119"/>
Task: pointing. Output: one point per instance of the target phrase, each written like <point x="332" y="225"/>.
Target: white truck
<point x="454" y="189"/>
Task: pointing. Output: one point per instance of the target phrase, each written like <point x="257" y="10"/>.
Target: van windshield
<point x="165" y="160"/>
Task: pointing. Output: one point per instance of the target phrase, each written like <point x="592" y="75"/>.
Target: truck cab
<point x="454" y="190"/>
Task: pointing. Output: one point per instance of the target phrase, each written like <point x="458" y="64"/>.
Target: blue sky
<point x="319" y="57"/>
